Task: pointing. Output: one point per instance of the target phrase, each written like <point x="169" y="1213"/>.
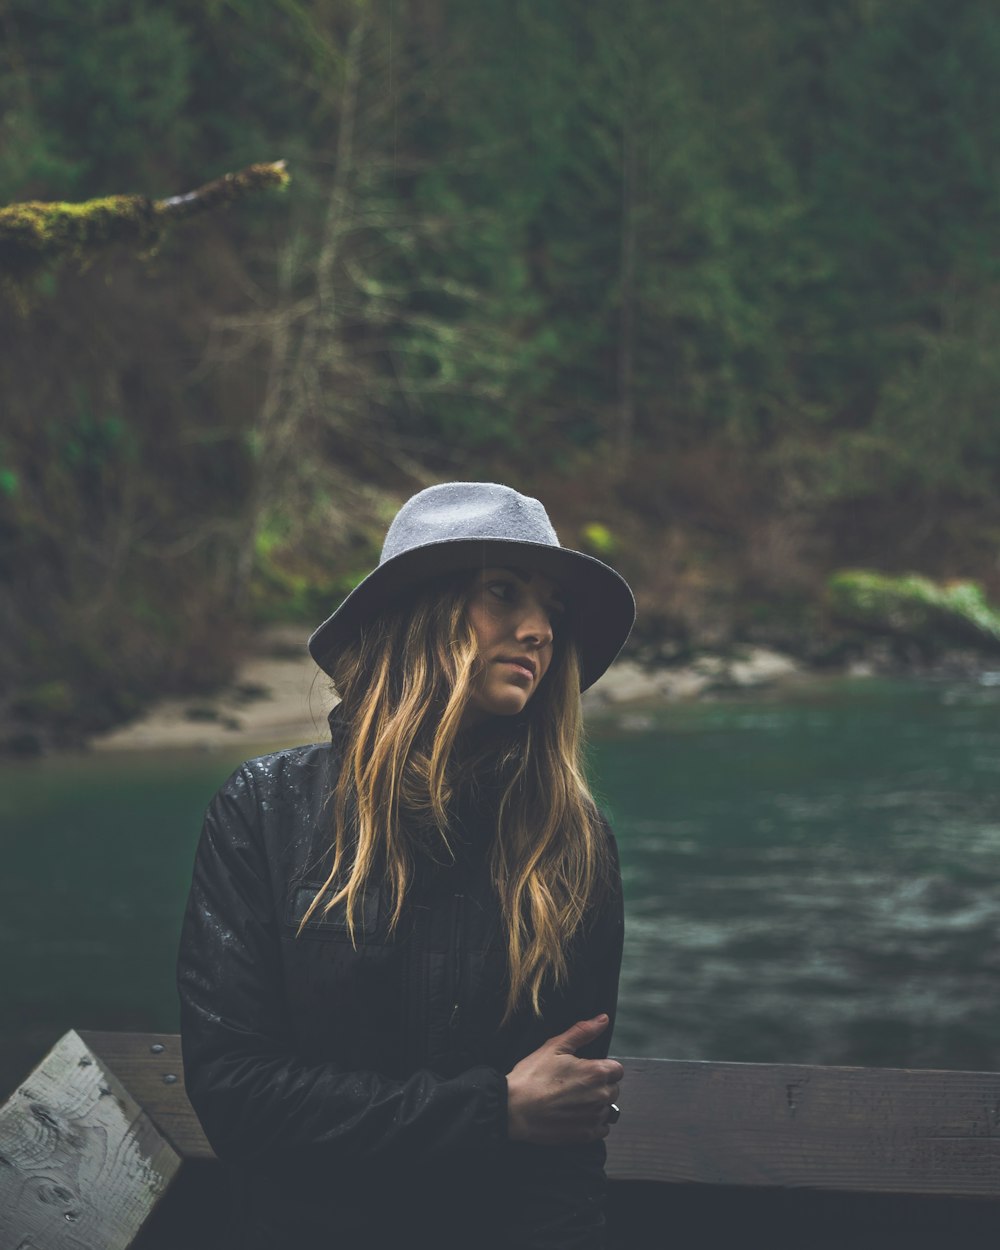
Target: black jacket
<point x="359" y="1095"/>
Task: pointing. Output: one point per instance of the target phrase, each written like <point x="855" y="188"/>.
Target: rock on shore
<point x="627" y="681"/>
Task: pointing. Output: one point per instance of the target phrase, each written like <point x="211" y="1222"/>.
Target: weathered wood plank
<point x="81" y="1164"/>
<point x="861" y="1130"/>
<point x="96" y="1135"/>
<point x="770" y="1126"/>
<point x="149" y="1066"/>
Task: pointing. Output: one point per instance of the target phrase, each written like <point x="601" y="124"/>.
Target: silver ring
<point x="614" y="1113"/>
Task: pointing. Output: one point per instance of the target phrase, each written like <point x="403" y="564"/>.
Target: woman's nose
<point x="535" y="626"/>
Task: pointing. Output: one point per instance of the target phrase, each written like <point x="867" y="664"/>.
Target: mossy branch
<point x="35" y="233"/>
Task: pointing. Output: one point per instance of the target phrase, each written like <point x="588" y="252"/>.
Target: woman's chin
<point x="488" y="704"/>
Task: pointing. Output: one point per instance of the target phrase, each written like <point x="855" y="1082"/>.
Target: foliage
<point x="599" y="539"/>
<point x="915" y="606"/>
<point x="290" y="583"/>
<point x="707" y="272"/>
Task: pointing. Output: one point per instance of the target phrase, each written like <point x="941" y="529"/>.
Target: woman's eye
<point x="502" y="590"/>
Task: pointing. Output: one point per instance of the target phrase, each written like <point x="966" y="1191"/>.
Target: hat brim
<point x="601" y="604"/>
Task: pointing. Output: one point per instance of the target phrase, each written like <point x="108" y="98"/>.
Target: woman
<point x="400" y="957"/>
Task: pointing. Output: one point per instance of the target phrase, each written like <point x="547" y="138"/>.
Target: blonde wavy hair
<point x="404" y="685"/>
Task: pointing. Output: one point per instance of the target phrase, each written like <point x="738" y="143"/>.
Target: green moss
<point x="34" y="232"/>
<point x="915" y="606"/>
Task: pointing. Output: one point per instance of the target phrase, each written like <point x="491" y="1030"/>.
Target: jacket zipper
<point x="456" y="949"/>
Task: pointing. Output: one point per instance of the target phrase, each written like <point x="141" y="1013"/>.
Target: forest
<point x="719" y="282"/>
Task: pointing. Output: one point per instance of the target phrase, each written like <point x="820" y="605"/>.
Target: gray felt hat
<point x="469" y="525"/>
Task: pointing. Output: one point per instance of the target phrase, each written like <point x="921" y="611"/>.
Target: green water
<point x="814" y="877"/>
<point x="811" y="876"/>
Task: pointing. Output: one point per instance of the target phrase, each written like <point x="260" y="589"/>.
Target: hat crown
<point x="467" y="510"/>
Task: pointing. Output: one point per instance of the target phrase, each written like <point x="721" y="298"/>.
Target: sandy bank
<point x="278" y="695"/>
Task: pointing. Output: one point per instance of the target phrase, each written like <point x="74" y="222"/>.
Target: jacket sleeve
<point x="562" y="1190"/>
<point x="255" y="1097"/>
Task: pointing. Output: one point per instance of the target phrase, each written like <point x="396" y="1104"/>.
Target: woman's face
<point x="514" y="613"/>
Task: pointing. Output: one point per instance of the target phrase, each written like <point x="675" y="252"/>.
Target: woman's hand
<point x="556" y="1099"/>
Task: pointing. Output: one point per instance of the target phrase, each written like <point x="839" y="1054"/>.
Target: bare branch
<point x="224" y="190"/>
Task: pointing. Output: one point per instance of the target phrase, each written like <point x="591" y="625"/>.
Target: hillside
<point x="718" y="284"/>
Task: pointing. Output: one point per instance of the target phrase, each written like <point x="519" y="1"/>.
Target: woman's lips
<point x="519" y="668"/>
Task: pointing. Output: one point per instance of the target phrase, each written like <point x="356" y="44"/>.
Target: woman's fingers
<point x="578" y="1035"/>
<point x="610" y="1070"/>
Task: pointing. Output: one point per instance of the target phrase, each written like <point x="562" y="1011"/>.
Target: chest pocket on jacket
<point x="332" y="924"/>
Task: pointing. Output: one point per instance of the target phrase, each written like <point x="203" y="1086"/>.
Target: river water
<point x="812" y="875"/>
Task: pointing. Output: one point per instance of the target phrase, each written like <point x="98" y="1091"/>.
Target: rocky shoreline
<point x="868" y="624"/>
<point x="279" y="696"/>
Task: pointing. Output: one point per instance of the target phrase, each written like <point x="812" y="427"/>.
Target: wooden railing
<point x="100" y="1150"/>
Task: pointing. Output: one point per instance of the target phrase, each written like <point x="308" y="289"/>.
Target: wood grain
<point x="81" y="1164"/>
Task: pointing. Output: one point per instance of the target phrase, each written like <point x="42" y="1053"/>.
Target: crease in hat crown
<point x="451" y="527"/>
